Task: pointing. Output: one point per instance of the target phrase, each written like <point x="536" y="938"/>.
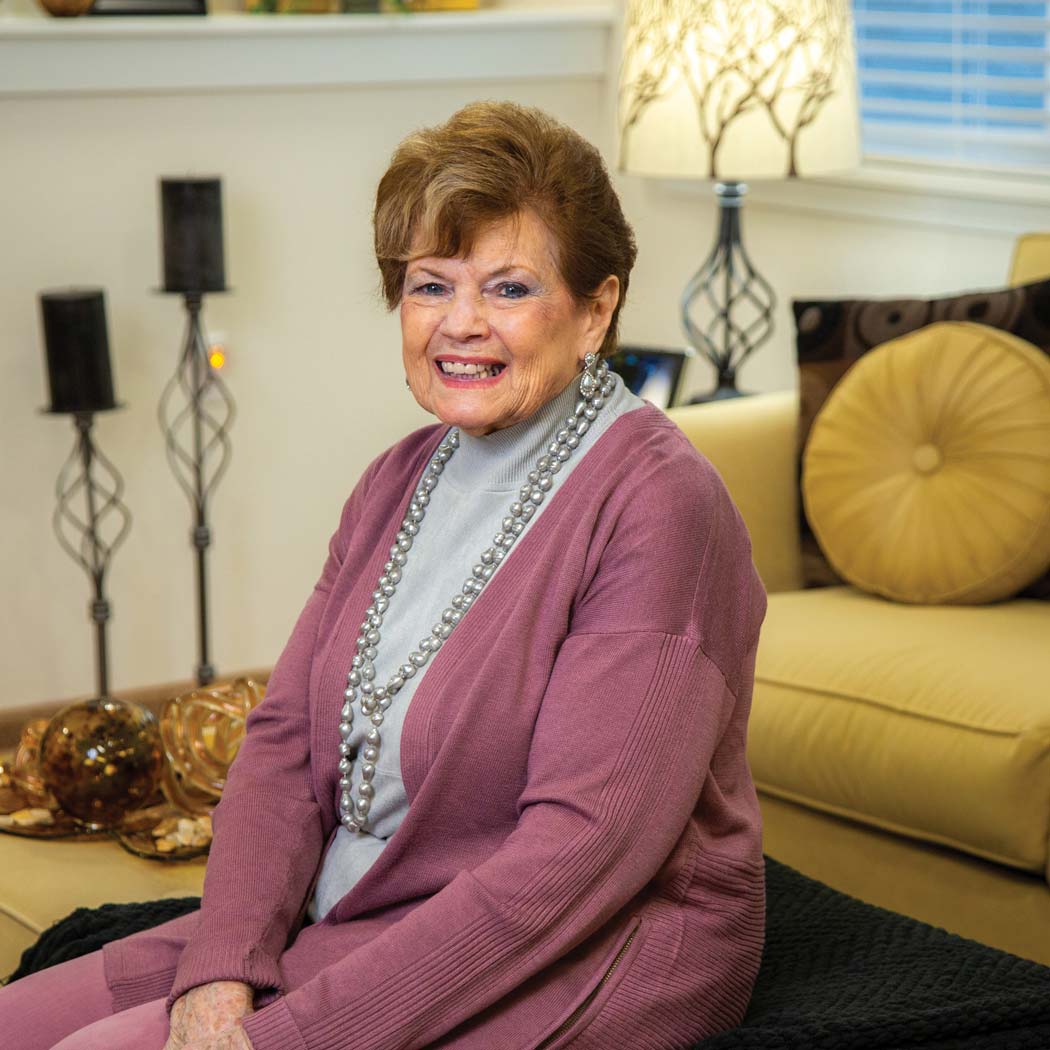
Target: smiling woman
<point x="442" y="827"/>
<point x="501" y="248"/>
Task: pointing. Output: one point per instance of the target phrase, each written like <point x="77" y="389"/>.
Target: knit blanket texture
<point x="836" y="974"/>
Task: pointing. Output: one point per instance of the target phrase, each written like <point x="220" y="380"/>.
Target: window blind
<point x="965" y="81"/>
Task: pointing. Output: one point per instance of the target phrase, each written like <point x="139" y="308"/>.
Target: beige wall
<point x="314" y="358"/>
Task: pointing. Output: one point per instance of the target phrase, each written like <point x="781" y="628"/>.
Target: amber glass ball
<point x="101" y="759"/>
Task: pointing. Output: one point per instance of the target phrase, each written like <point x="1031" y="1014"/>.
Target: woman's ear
<point x="600" y="307"/>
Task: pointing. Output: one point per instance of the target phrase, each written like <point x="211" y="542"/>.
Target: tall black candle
<point x="77" y="346"/>
<point x="191" y="227"/>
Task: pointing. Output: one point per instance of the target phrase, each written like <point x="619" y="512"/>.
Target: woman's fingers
<point x="232" y="1039"/>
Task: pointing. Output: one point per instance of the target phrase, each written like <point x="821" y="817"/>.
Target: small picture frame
<point x="149" y="7"/>
<point x="653" y="373"/>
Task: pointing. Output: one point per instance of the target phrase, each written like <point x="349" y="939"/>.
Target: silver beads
<point x="596" y="384"/>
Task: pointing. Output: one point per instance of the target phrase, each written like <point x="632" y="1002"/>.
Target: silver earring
<point x="589" y="380"/>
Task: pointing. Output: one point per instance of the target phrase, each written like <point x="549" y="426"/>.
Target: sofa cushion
<point x="833" y="334"/>
<point x="926" y="477"/>
<point x="929" y="721"/>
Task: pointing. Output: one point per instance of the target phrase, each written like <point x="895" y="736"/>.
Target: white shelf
<point x="45" y="56"/>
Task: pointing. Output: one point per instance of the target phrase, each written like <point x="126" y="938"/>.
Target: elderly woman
<point x="496" y="797"/>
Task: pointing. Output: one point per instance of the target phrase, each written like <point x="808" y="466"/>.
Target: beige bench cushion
<point x="930" y="721"/>
<point x="42" y="882"/>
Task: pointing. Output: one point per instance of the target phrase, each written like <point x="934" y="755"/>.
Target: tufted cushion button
<point x="927" y="459"/>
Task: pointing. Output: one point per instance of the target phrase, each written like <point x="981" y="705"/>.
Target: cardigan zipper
<point x="578" y="1012"/>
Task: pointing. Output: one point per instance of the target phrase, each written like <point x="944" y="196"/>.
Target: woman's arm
<point x="621" y="749"/>
<point x="267" y="827"/>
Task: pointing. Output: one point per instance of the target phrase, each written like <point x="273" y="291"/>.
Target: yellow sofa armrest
<point x="751" y="442"/>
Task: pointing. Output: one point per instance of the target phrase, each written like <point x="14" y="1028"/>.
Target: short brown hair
<point x="490" y="161"/>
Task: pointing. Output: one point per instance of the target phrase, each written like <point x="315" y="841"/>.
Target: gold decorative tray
<point x="182" y="835"/>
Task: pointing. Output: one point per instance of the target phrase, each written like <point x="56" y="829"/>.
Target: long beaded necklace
<point x="595" y="386"/>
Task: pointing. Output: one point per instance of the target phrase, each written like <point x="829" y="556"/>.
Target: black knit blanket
<point x="837" y="974"/>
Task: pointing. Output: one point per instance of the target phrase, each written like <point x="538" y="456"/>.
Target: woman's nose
<point x="465" y="317"/>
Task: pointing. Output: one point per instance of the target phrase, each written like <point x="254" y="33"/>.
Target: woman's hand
<point x="207" y="1017"/>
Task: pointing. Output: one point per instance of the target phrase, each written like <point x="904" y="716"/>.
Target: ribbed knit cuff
<point x="272" y="1028"/>
<point x="204" y="963"/>
<point x="142" y="989"/>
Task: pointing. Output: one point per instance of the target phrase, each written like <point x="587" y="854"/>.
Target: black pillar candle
<point x="77" y="347"/>
<point x="191" y="227"/>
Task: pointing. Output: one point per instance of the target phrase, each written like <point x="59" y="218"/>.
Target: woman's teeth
<point x="457" y="368"/>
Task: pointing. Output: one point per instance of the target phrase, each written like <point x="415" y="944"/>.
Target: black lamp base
<point x="733" y="299"/>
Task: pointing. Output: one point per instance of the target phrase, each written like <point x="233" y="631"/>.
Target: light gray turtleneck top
<point x="474" y="493"/>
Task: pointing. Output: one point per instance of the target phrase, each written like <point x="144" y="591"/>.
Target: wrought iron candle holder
<point x="80" y="379"/>
<point x="196" y="409"/>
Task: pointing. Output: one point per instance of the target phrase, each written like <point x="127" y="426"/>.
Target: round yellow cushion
<point x="926" y="476"/>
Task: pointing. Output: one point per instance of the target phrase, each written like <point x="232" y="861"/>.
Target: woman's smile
<point x="463" y="372"/>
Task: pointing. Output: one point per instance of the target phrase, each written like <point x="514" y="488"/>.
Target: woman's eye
<point x="512" y="290"/>
<point x="429" y="288"/>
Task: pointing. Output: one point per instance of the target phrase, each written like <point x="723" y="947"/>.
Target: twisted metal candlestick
<point x="87" y="470"/>
<point x="198" y="467"/>
<point x="739" y="298"/>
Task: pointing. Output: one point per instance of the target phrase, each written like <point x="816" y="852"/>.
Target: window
<point x="958" y="81"/>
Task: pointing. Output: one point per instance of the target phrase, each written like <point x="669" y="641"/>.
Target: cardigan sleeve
<point x="623" y="742"/>
<point x="245" y="923"/>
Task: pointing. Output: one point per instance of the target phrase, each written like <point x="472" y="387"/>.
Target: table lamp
<point x="735" y="90"/>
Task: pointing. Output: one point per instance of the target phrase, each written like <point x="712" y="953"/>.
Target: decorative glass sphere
<point x="101" y="759"/>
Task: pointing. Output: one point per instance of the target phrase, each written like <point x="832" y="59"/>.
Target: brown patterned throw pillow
<point x="832" y="334"/>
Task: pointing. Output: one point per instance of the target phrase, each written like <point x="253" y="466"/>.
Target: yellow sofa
<point x="901" y="752"/>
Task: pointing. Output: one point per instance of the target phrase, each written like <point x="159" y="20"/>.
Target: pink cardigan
<point x="581" y="862"/>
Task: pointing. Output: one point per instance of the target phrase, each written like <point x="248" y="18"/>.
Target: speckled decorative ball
<point x="101" y="759"/>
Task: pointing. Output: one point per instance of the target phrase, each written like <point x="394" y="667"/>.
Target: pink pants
<point x="68" y="1007"/>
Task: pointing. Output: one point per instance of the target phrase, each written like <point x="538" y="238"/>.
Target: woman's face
<point x="490" y="337"/>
